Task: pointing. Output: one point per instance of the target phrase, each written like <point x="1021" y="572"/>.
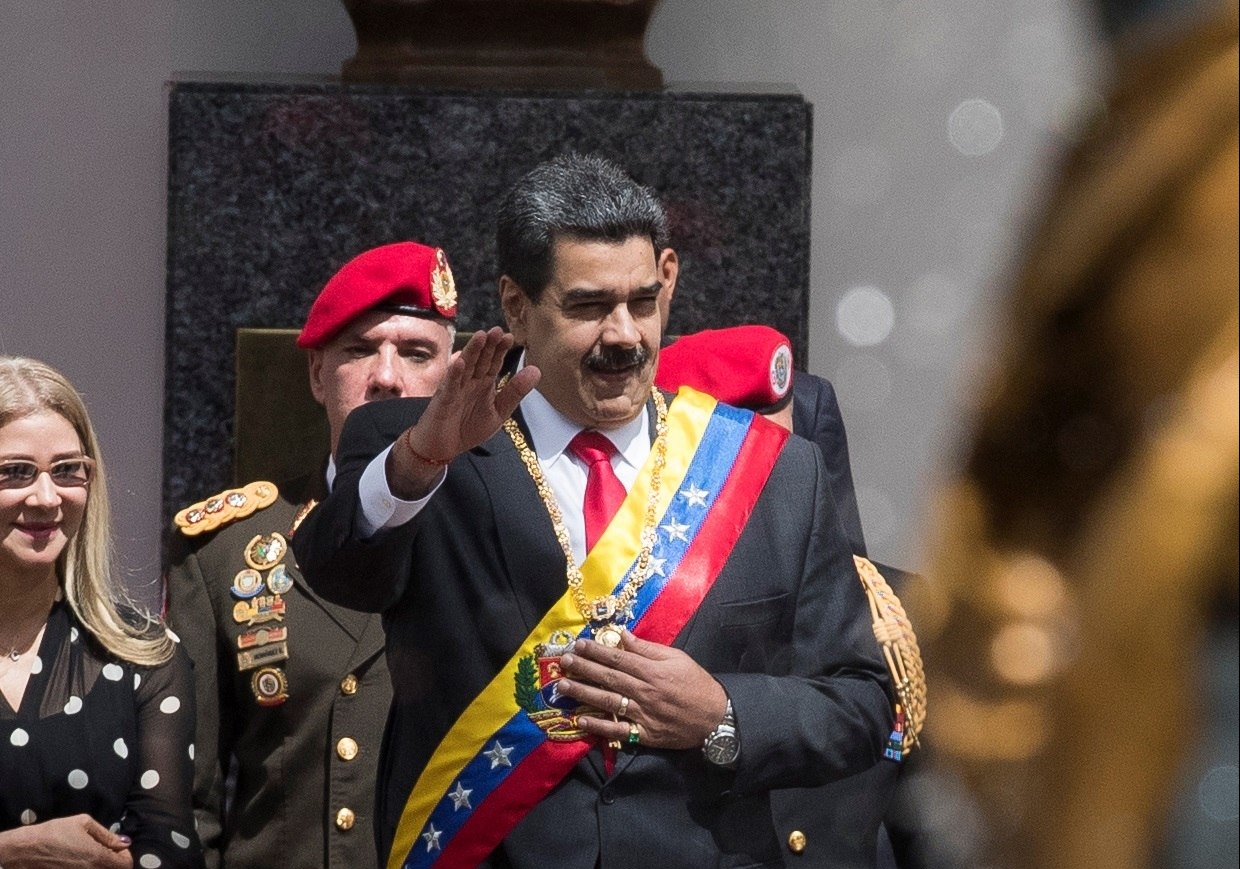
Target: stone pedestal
<point x="503" y="44"/>
<point x="273" y="186"/>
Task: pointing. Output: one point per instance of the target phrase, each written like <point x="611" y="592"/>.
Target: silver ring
<point x="623" y="710"/>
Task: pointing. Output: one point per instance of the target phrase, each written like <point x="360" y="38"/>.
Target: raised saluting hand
<point x="465" y="410"/>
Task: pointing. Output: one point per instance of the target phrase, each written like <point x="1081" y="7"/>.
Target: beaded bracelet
<point x="426" y="460"/>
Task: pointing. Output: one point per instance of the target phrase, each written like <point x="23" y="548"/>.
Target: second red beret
<point x="745" y="366"/>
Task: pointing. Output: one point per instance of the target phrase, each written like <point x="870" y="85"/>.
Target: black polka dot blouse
<point x="106" y="738"/>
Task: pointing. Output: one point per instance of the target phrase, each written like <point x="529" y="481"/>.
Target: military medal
<point x="261" y="637"/>
<point x="264" y="608"/>
<point x="247" y="583"/>
<point x="270" y="686"/>
<point x="278" y="580"/>
<point x="262" y="656"/>
<point x="265" y="550"/>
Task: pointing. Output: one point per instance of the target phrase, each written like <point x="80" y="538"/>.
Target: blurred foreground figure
<point x="1088" y="547"/>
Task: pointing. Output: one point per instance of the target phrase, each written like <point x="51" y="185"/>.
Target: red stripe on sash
<point x="524" y="787"/>
<point x="705" y="557"/>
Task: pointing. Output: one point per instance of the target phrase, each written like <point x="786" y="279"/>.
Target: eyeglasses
<point x="65" y="474"/>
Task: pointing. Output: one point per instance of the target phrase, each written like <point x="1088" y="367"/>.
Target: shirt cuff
<point x="380" y="508"/>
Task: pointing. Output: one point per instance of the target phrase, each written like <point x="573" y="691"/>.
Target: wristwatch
<point x="723" y="746"/>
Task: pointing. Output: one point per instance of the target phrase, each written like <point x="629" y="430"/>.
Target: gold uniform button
<point x="796" y="841"/>
<point x="346" y="748"/>
<point x="345" y="819"/>
<point x="348" y="685"/>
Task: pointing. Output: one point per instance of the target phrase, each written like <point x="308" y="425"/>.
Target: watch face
<point x="723" y="748"/>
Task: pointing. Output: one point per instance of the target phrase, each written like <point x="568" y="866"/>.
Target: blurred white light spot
<point x="878" y="516"/>
<point x="975" y="127"/>
<point x="1219" y="793"/>
<point x="1023" y="653"/>
<point x="860" y="175"/>
<point x="863" y="383"/>
<point x="865" y="316"/>
<point x="933" y="312"/>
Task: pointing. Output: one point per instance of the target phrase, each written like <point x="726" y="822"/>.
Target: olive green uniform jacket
<point x="288" y="785"/>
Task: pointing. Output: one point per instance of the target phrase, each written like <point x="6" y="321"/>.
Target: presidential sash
<point x="517" y="740"/>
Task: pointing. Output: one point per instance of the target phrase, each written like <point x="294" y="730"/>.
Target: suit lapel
<point x="536" y="568"/>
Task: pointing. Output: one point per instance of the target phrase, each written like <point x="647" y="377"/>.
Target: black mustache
<point x="612" y="359"/>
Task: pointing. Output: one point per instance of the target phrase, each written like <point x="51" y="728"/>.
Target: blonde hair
<point x="85" y="569"/>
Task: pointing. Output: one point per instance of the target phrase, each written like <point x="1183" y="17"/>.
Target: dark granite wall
<point x="273" y="186"/>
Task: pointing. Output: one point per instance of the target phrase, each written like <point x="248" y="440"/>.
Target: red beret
<point x="745" y="366"/>
<point x="406" y="277"/>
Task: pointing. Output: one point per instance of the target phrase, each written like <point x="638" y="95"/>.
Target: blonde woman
<point x="96" y="700"/>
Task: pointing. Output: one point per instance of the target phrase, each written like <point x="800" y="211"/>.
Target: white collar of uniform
<point x="331" y="472"/>
<point x="552" y="431"/>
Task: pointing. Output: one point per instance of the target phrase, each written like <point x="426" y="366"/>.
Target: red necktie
<point x="604" y="491"/>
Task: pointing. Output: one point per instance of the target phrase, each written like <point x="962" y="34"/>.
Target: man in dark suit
<point x="816" y="417"/>
<point x="293" y="690"/>
<point x="572" y="689"/>
<point x="750" y="366"/>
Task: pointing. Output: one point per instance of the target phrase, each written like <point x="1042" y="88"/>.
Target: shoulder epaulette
<point x="228" y="506"/>
<point x="894" y="633"/>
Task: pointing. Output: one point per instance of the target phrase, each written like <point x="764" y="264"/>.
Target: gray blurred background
<point x="935" y="126"/>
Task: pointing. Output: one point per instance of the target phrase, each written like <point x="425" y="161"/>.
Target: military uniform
<point x="293" y="691"/>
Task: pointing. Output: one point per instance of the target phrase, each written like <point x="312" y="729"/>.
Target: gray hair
<point x="576" y="197"/>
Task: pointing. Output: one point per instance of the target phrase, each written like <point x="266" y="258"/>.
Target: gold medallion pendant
<point x="610" y="636"/>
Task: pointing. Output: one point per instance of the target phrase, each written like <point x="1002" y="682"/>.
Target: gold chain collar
<point x="608" y="612"/>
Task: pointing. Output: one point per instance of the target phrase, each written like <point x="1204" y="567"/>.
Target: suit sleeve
<point x="823" y="711"/>
<point x="192" y="616"/>
<point x="362" y="574"/>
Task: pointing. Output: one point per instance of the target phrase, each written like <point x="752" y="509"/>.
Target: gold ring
<point x="623" y="710"/>
<point x="634" y="736"/>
